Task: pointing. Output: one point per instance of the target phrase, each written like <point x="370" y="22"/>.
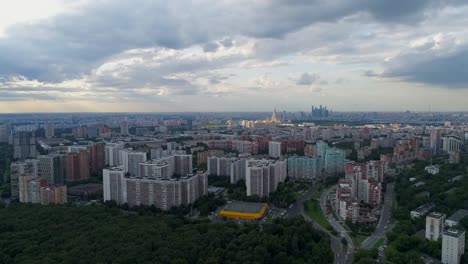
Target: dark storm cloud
<point x="69" y="45"/>
<point x="450" y="71"/>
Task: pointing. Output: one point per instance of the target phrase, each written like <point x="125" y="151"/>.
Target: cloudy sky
<point x="233" y="55"/>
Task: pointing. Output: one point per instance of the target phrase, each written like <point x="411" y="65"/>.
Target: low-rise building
<point x="454" y="219"/>
<point x="421" y="210"/>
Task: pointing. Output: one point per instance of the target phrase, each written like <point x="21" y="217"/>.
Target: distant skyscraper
<point x="320" y="112"/>
<point x="24" y="144"/>
<point x="274" y="117"/>
<point x="453" y="246"/>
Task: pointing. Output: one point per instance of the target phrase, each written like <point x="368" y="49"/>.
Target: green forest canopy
<point x="98" y="234"/>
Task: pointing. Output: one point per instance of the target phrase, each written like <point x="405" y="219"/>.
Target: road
<point x="383" y="226"/>
<point x="335" y="243"/>
<point x="324" y="199"/>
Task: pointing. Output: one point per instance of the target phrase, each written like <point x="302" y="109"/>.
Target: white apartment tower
<point x="274" y="149"/>
<point x="114" y="185"/>
<point x="453" y="246"/>
<point x="434" y="225"/>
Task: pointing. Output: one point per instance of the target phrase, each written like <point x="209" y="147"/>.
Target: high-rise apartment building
<point x="53" y="168"/>
<point x="451" y="143"/>
<point x="219" y="166"/>
<point x="111" y="152"/>
<point x="23" y="168"/>
<point x="97" y="158"/>
<point x="54" y="194"/>
<point x="124" y="127"/>
<point x="49" y="130"/>
<point x="4" y="133"/>
<point x="334" y="162"/>
<point x="77" y="166"/>
<point x="24" y="144"/>
<point x="162" y="193"/>
<point x="202" y="157"/>
<point x="131" y="160"/>
<point x="156" y="169"/>
<point x="300" y="167"/>
<point x="434" y="225"/>
<point x="263" y="176"/>
<point x="436" y="141"/>
<point x="274" y="149"/>
<point x="30" y="189"/>
<point x="114" y="185"/>
<point x="183" y="165"/>
<point x="453" y="246"/>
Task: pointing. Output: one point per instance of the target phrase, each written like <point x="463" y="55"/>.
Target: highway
<point x="383" y="226"/>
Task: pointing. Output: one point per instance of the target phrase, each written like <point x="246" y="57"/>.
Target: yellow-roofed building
<point x="244" y="210"/>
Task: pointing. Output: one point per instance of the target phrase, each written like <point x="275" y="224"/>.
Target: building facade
<point x="434" y="226"/>
<point x="453" y="246"/>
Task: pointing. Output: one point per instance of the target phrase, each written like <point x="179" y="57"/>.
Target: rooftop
<point x="244" y="207"/>
<point x="458" y="215"/>
<point x="424" y="208"/>
<point x="454" y="232"/>
<point x="436" y="215"/>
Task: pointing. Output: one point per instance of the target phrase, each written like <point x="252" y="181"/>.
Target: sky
<point x="233" y="55"/>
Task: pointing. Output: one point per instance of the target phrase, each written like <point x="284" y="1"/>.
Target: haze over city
<point x="170" y="56"/>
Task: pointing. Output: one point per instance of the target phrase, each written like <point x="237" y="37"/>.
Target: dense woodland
<point x="405" y="245"/>
<point x="99" y="234"/>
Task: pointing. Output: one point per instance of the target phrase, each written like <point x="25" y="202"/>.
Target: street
<point x="383" y="225"/>
<point x="348" y="257"/>
<point x="298" y="209"/>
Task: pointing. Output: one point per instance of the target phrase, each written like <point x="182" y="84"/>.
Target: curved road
<point x="324" y="200"/>
<point x="298" y="209"/>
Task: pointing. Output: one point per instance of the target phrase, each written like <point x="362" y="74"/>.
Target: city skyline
<point x="106" y="56"/>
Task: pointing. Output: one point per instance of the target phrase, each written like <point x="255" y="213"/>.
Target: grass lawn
<point x="316" y="195"/>
<point x="358" y="239"/>
<point x="379" y="242"/>
<point x="312" y="209"/>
